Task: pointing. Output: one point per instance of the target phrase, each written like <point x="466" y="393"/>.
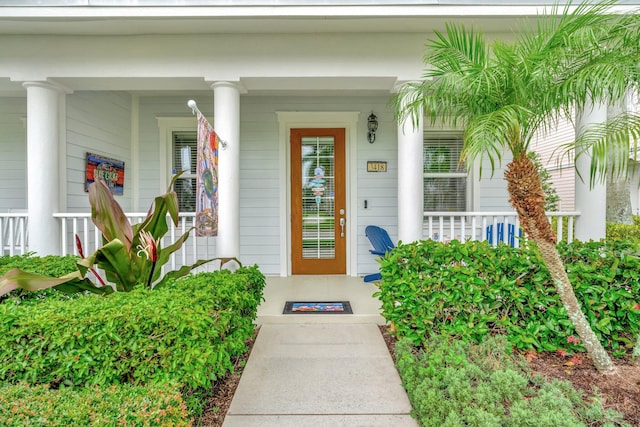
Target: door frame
<point x="348" y="120"/>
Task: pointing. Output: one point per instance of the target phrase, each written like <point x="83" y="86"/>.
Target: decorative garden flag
<point x="207" y="180"/>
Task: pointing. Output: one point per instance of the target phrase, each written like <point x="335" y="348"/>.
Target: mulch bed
<point x="620" y="391"/>
<point x="223" y="390"/>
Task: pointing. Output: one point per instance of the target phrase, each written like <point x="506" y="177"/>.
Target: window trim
<point x="166" y="127"/>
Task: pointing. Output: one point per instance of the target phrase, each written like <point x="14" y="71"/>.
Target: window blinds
<point x="445" y="178"/>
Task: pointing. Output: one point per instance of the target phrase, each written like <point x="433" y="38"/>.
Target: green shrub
<point x="187" y="332"/>
<point x="51" y="265"/>
<point x="153" y="405"/>
<point x="624" y="231"/>
<point x="456" y="383"/>
<point x="473" y="290"/>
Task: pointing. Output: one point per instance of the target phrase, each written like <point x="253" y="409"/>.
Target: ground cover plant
<point x="24" y="405"/>
<point x="186" y="334"/>
<point x="452" y="382"/>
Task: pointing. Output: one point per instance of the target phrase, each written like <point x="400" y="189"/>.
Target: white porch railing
<point x="442" y="226"/>
<point x="493" y="226"/>
<point x="193" y="249"/>
<point x="13" y="233"/>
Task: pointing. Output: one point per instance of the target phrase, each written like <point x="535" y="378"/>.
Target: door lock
<point x="342" y="221"/>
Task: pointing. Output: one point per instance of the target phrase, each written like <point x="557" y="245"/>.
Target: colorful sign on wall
<point x="111" y="171"/>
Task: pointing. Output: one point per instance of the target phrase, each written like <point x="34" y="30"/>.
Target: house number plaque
<point x="376" y="166"/>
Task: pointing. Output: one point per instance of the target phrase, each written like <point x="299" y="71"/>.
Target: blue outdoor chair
<point x="382" y="244"/>
<point x="511" y="234"/>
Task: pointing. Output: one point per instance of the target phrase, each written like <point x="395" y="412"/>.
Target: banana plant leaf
<point x="117" y="263"/>
<point x="69" y="283"/>
<point x="181" y="272"/>
<point x="108" y="216"/>
<point x="156" y="220"/>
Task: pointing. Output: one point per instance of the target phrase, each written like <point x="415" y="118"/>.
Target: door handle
<point x="342" y="221"/>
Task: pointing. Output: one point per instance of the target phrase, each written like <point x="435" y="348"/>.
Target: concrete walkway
<point x="319" y="374"/>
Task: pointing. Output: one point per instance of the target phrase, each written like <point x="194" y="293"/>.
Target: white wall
<point x="13" y="154"/>
<point x="492" y="188"/>
<point x="97" y="122"/>
<point x="561" y="168"/>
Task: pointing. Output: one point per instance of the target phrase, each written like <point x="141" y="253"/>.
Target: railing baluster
<point x="452" y="224"/>
<point x="474" y="224"/>
<point x="560" y="224"/>
<point x="64" y="237"/>
<point x="494" y="234"/>
<point x="74" y="224"/>
<point x="23" y="235"/>
<point x="97" y="238"/>
<point x="12" y="241"/>
<point x="183" y="250"/>
<point x="195" y="239"/>
<point x="483" y="231"/>
<point x="85" y="232"/>
<point x="172" y="233"/>
<point x="570" y="229"/>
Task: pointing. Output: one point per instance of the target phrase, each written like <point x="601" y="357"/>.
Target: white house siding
<point x="100" y="123"/>
<point x="13" y="154"/>
<point x="561" y="168"/>
<point x="492" y="188"/>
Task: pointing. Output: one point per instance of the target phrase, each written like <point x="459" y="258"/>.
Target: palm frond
<point x="609" y="146"/>
<point x="457" y="51"/>
<point x="490" y="133"/>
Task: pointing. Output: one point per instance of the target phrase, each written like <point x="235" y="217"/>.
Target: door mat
<point x="317" y="307"/>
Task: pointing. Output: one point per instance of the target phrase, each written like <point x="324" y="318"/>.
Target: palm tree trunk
<point x="527" y="197"/>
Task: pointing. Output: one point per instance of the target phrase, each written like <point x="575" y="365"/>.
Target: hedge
<point x="473" y="290"/>
<point x="187" y="332"/>
<point x="50" y="265"/>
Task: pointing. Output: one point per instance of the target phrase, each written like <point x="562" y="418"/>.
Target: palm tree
<point x="502" y="93"/>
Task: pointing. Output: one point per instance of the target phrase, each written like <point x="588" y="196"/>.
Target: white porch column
<point x="591" y="203"/>
<point x="43" y="127"/>
<point x="410" y="181"/>
<point x="226" y="113"/>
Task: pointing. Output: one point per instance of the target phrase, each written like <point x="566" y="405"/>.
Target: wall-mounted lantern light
<point x="372" y="124"/>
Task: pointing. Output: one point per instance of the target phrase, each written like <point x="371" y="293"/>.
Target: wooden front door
<point x="318" y="208"/>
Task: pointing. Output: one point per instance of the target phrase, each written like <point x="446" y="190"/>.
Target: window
<point x="184" y="157"/>
<point x="445" y="179"/>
